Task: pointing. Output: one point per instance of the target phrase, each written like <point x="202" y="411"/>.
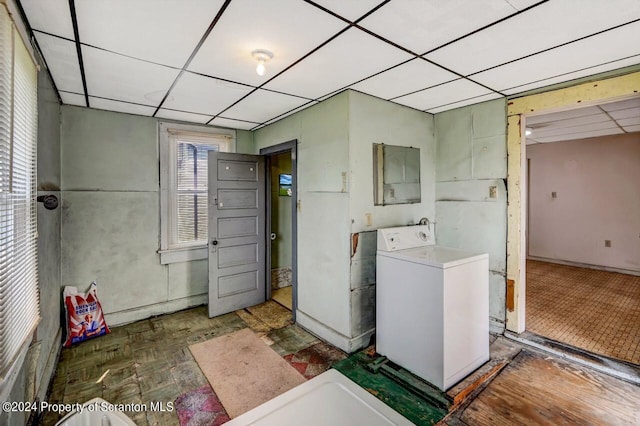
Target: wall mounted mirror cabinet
<point x="396" y="174"/>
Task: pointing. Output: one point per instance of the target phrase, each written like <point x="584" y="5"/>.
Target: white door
<point x="236" y="231"/>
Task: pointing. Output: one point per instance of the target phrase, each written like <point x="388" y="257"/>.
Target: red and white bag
<point x="85" y="319"/>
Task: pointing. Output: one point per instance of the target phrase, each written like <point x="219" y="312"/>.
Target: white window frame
<point x="18" y="206"/>
<point x="171" y="251"/>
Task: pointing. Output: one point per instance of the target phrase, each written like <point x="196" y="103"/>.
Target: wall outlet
<point x="493" y="192"/>
<point x="554" y="194"/>
<point x="607" y="243"/>
<point x="368" y="220"/>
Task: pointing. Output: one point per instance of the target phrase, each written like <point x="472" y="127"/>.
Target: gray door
<point x="236" y="231"/>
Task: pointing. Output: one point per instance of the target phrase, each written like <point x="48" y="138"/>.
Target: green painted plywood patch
<point x="405" y="402"/>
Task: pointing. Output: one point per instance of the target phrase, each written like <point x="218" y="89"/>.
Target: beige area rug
<point x="243" y="371"/>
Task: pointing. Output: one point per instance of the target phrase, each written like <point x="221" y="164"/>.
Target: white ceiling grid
<point x="163" y="32"/>
<point x="63" y="62"/>
<point x="125" y="107"/>
<point x="588" y="122"/>
<point x="422" y="25"/>
<point x="248" y="25"/>
<point x="191" y="60"/>
<point x="204" y="95"/>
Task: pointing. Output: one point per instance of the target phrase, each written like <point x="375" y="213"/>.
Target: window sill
<point x="182" y="254"/>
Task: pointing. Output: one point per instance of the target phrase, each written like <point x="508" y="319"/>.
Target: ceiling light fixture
<point x="262" y="56"/>
<point x="528" y="131"/>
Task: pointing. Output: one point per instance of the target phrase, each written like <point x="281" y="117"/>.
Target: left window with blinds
<point x="19" y="300"/>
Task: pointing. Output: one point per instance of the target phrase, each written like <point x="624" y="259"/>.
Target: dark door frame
<point x="292" y="147"/>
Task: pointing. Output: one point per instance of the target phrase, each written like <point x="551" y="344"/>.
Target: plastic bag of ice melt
<point x="85" y="319"/>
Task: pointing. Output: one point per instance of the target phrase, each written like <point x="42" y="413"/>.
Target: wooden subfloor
<point x="150" y="361"/>
<point x="536" y="389"/>
<point x="594" y="310"/>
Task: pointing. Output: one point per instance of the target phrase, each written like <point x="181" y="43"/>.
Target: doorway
<point x="585" y="94"/>
<point x="281" y="273"/>
<point x="583" y="260"/>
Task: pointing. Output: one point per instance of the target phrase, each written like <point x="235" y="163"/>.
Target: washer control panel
<point x="404" y="237"/>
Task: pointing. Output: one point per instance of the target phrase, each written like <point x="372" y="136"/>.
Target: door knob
<point x="214" y="242"/>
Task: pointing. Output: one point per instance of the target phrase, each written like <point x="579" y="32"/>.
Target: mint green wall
<point x="48" y="336"/>
<point x="111" y="220"/>
<point x="471" y="158"/>
<point x="244" y="141"/>
<point x="323" y="213"/>
<point x="373" y="120"/>
<point x="336" y="292"/>
<point x="281" y="220"/>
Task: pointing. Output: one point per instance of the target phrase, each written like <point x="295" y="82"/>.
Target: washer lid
<point x="436" y="256"/>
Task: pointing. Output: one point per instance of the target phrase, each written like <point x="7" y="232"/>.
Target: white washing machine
<point x="432" y="305"/>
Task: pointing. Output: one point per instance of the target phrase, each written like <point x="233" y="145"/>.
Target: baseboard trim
<point x="332" y="336"/>
<point x="585" y="265"/>
<point x="496" y="326"/>
<point x="144" y="312"/>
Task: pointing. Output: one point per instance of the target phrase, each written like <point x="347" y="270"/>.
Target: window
<point x="19" y="304"/>
<point x="184" y="153"/>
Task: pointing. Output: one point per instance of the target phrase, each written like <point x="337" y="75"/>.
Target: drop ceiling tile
<point x="62" y="58"/>
<point x="204" y="95"/>
<point x="621" y="105"/>
<point x="472" y="101"/>
<point x="522" y="4"/>
<point x="248" y="25"/>
<point x="542" y="27"/>
<point x="416" y="74"/>
<point x="421" y="25"/>
<point x="541" y="133"/>
<point x="577" y="56"/>
<point x="571" y="122"/>
<point x="73" y="99"/>
<point x="563" y="115"/>
<point x="125" y="107"/>
<point x="443" y="95"/>
<point x="51" y="16"/>
<point x="585" y="72"/>
<point x="583" y="135"/>
<point x="288" y="113"/>
<point x="233" y="124"/>
<point x="632" y="121"/>
<point x="165" y="32"/>
<point x="121" y="78"/>
<point x="351" y="57"/>
<point x="263" y="105"/>
<point x="631" y="129"/>
<point x="625" y="113"/>
<point x="350" y="10"/>
<point x="183" y="116"/>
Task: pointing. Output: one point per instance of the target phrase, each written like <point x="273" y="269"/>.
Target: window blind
<point x="19" y="300"/>
<point x="191" y="190"/>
